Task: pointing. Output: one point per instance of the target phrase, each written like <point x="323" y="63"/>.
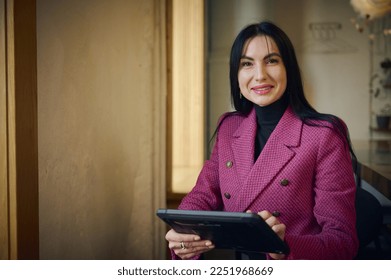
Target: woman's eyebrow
<point x="272" y="54"/>
<point x="266" y="57"/>
<point x="246" y="57"/>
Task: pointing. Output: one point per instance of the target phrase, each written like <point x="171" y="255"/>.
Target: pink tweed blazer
<point x="304" y="174"/>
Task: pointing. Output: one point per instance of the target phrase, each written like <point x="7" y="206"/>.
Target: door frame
<point x="19" y="227"/>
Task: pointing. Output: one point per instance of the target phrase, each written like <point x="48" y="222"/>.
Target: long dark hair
<point x="294" y="89"/>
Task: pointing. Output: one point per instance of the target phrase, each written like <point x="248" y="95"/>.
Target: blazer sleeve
<point x="334" y="209"/>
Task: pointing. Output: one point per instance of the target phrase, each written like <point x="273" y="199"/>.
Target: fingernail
<point x="208" y="243"/>
<point x="197" y="238"/>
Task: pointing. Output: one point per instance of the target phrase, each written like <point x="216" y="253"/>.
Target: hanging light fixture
<point x="368" y="10"/>
<point x="371" y="9"/>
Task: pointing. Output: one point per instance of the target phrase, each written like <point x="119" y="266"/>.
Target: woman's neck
<point x="272" y="113"/>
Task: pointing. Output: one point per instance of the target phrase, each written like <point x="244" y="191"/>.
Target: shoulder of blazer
<point x="230" y="121"/>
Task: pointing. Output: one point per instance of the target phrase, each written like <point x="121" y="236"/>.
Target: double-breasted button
<point x="229" y="164"/>
<point x="276" y="213"/>
<point x="284" y="182"/>
<point x="227" y="195"/>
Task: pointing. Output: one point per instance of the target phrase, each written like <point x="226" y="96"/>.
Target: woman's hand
<point x="187" y="246"/>
<point x="277" y="227"/>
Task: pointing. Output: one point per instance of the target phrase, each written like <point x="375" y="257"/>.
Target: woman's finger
<point x="189" y="244"/>
<point x="191" y="252"/>
<point x="280" y="229"/>
<point x="265" y="214"/>
<point x="172" y="235"/>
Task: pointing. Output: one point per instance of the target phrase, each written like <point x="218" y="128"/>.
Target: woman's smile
<point x="262" y="89"/>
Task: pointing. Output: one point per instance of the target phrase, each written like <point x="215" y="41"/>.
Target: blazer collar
<point x="255" y="177"/>
<point x="288" y="129"/>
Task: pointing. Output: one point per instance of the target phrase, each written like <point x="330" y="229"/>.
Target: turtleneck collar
<point x="271" y="114"/>
<point x="267" y="120"/>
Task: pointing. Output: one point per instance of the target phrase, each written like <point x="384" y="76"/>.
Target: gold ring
<point x="183" y="247"/>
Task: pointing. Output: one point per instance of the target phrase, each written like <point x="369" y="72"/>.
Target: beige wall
<point x="101" y="100"/>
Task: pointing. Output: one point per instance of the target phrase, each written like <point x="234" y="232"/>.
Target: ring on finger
<point x="183" y="247"/>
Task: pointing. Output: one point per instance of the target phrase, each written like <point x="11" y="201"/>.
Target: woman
<point x="276" y="156"/>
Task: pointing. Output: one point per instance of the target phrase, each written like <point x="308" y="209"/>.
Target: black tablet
<point x="246" y="232"/>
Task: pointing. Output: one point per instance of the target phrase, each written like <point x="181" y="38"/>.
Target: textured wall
<point x="97" y="101"/>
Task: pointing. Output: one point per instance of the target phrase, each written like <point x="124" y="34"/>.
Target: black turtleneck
<point x="267" y="120"/>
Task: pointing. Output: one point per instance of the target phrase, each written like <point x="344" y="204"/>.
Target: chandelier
<point x="369" y="10"/>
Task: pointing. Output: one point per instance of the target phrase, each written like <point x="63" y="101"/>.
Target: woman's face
<point x="262" y="74"/>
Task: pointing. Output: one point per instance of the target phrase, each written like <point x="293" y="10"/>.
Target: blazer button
<point x="276" y="214"/>
<point x="227" y="195"/>
<point x="284" y="182"/>
<point x="229" y="164"/>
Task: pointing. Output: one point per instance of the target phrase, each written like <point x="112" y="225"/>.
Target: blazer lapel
<point x="243" y="146"/>
<point x="274" y="156"/>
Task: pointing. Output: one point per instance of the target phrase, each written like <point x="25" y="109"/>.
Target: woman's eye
<point x="245" y="64"/>
<point x="272" y="61"/>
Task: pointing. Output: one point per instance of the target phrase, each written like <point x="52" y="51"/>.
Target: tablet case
<point x="246" y="232"/>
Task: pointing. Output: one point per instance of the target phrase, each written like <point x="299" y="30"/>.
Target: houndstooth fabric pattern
<point x="304" y="173"/>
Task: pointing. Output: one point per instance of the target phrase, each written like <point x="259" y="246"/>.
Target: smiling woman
<point x="276" y="156"/>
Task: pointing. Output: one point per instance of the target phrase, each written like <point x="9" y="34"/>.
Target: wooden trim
<point x="159" y="170"/>
<point x="4" y="238"/>
<point x="174" y="199"/>
<point x="169" y="95"/>
<point x="21" y="131"/>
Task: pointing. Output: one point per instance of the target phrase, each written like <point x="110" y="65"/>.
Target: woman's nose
<point x="260" y="73"/>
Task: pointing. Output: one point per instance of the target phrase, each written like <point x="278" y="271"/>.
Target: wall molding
<point x="19" y="229"/>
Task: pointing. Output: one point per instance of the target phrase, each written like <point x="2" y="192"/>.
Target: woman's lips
<point x="264" y="89"/>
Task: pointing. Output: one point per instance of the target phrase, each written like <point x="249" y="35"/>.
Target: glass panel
<point x="187" y="93"/>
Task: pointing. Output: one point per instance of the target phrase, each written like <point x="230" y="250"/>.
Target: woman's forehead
<point x="262" y="43"/>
